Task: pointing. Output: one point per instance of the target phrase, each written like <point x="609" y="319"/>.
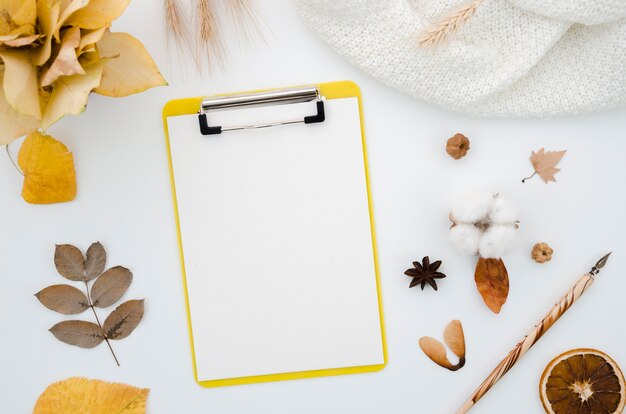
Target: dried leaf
<point x="48" y="17"/>
<point x="124" y="319"/>
<point x="98" y="13"/>
<point x="79" y="333"/>
<point x="435" y="351"/>
<point x="90" y="37"/>
<point x="133" y="71"/>
<point x="66" y="62"/>
<point x="545" y="163"/>
<point x="64" y="299"/>
<point x="21" y="89"/>
<point x="492" y="281"/>
<point x="69" y="262"/>
<point x="14" y="124"/>
<point x="21" y="41"/>
<point x="81" y="396"/>
<point x="70" y="94"/>
<point x="48" y="168"/>
<point x="111" y="286"/>
<point x="68" y="8"/>
<point x="96" y="259"/>
<point x="455" y="339"/>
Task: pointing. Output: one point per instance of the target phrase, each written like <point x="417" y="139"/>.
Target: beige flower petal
<point x="90" y="37"/>
<point x="133" y="71"/>
<point x="98" y="13"/>
<point x="20" y="82"/>
<point x="14" y="124"/>
<point x="48" y="16"/>
<point x="70" y="94"/>
<point x="20" y="11"/>
<point x="66" y="62"/>
<point x="20" y="41"/>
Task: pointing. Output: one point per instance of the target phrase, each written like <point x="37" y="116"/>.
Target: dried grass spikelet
<point x="177" y="26"/>
<point x="442" y="31"/>
<point x="454" y="338"/>
<point x="247" y="19"/>
<point x="209" y="41"/>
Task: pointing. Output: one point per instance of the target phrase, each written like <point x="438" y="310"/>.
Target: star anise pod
<point x="425" y="272"/>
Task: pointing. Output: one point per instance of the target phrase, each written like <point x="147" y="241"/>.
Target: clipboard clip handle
<point x="275" y="97"/>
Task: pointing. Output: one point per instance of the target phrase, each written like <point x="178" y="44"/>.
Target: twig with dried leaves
<point x="107" y="288"/>
<point x="442" y="31"/>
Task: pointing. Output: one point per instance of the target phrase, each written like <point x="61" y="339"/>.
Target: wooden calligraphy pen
<point x="525" y="344"/>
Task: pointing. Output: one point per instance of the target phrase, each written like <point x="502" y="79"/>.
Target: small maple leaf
<point x="544" y="163"/>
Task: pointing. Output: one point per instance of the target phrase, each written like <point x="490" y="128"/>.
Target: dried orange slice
<point x="582" y="381"/>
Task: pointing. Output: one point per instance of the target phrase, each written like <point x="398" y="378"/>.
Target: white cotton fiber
<point x="496" y="241"/>
<point x="473" y="207"/>
<point x="466" y="238"/>
<point x="503" y="211"/>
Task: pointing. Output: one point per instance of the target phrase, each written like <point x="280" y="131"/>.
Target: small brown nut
<point x="542" y="253"/>
<point x="458" y="146"/>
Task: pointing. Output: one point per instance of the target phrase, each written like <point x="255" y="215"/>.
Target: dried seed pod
<point x="457" y="146"/>
<point x="542" y="253"/>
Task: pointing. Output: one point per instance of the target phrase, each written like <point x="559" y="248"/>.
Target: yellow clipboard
<point x="190" y="106"/>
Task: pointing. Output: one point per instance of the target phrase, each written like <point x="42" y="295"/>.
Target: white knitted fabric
<point x="513" y="58"/>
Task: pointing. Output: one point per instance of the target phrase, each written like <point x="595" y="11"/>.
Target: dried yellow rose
<point x="54" y="53"/>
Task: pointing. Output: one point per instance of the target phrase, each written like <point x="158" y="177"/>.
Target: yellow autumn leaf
<point x="48" y="168"/>
<point x="20" y="82"/>
<point x="20" y="11"/>
<point x="81" y="396"/>
<point x="89" y="38"/>
<point x="14" y="124"/>
<point x="98" y="13"/>
<point x="70" y="93"/>
<point x="66" y="62"/>
<point x="132" y="71"/>
<point x="48" y="17"/>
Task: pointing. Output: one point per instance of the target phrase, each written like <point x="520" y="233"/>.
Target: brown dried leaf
<point x="124" y="319"/>
<point x="96" y="259"/>
<point x="455" y="339"/>
<point x="66" y="61"/>
<point x="492" y="281"/>
<point x="435" y="351"/>
<point x="69" y="262"/>
<point x="545" y="163"/>
<point x="64" y="299"/>
<point x="111" y="286"/>
<point x="79" y="333"/>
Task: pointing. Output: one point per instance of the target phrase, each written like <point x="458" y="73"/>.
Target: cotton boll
<point x="496" y="241"/>
<point x="503" y="211"/>
<point x="466" y="238"/>
<point x="473" y="207"/>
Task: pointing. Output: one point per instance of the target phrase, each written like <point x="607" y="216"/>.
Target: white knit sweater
<point x="512" y="58"/>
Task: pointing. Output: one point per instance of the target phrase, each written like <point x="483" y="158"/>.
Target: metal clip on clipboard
<point x="276" y="97"/>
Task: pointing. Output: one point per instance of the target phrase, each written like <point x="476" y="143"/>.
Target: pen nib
<point x="596" y="269"/>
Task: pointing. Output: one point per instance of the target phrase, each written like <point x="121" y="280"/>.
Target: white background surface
<point x="124" y="201"/>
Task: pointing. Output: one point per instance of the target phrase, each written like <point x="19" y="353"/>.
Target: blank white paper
<point x="277" y="242"/>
